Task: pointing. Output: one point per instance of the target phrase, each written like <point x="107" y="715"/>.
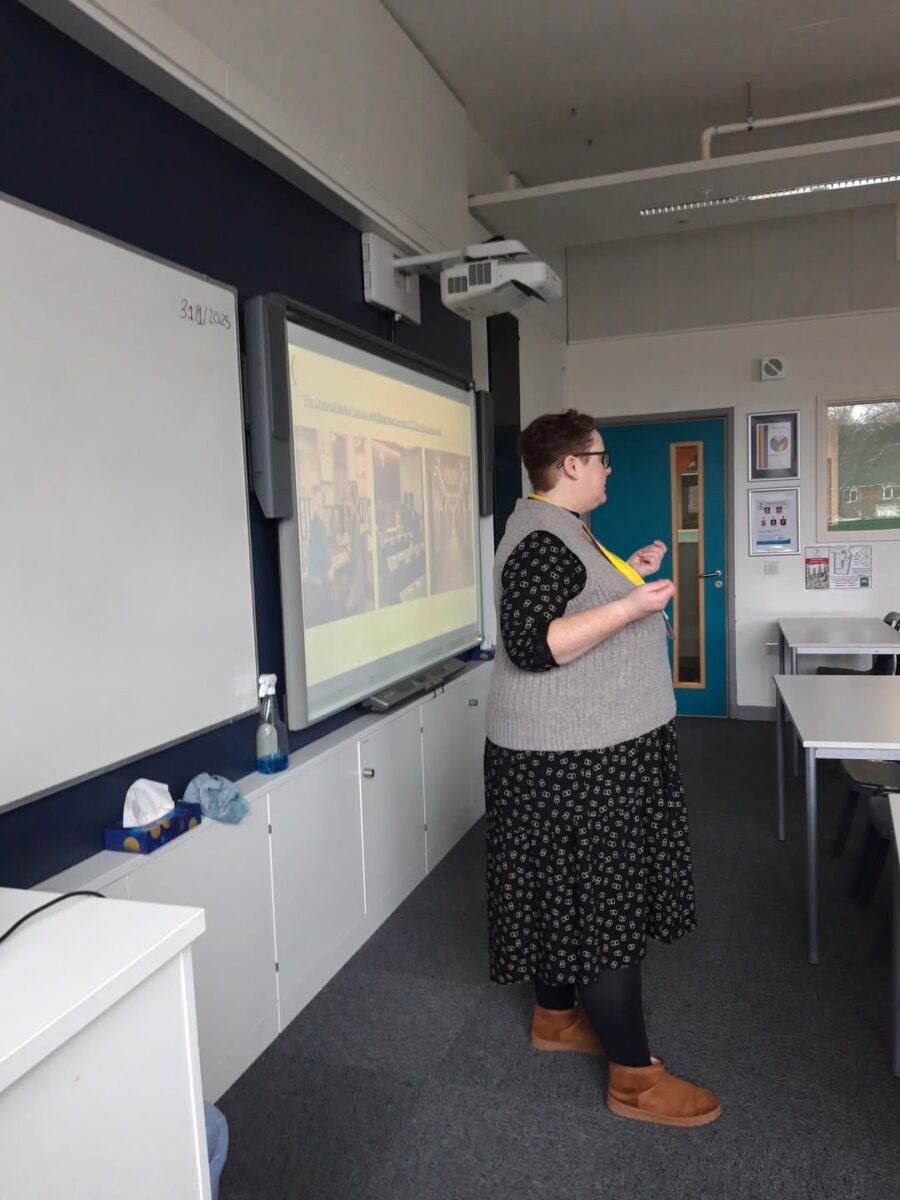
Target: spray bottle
<point x="271" y="735"/>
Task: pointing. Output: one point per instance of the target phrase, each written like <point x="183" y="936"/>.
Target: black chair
<point x="865" y="777"/>
<point x="878" y="844"/>
<point x="877" y="847"/>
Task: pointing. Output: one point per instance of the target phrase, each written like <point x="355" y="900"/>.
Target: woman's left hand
<point x="648" y="559"/>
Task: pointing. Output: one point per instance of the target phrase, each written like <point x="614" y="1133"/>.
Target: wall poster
<point x="774" y="521"/>
<point x="836" y="567"/>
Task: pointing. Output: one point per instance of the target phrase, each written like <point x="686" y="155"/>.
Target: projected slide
<point x="335" y="525"/>
<point x="400" y="520"/>
<point x="450" y="502"/>
<point x="386" y="518"/>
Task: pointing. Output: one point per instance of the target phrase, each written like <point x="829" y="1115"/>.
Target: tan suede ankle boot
<point x="564" y="1029"/>
<point x="652" y="1094"/>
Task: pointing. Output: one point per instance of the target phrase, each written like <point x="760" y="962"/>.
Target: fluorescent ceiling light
<point x="808" y="189"/>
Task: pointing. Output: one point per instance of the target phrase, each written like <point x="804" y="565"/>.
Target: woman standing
<point x="588" y="848"/>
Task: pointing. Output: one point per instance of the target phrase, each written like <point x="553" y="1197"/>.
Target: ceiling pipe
<point x="819" y="114"/>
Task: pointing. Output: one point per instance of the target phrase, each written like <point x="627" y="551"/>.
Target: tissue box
<point x="143" y="839"/>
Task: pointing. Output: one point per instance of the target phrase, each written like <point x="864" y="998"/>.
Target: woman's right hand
<point x="571" y="636"/>
<point x="649" y="598"/>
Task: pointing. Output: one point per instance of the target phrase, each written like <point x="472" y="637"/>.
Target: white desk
<point x="895" y="863"/>
<point x="836" y="716"/>
<point x="831" y="635"/>
<point x="100" y="1093"/>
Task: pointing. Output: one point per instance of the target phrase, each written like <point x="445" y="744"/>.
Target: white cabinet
<point x="317" y="874"/>
<point x="393" y="812"/>
<point x="453" y="751"/>
<point x="449" y="803"/>
<point x="326" y="853"/>
<point x="476" y="684"/>
<point x="224" y="869"/>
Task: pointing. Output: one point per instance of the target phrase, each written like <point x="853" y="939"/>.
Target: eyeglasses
<point x="604" y="456"/>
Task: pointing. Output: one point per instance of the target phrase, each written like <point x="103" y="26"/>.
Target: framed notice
<point x="772" y="444"/>
<point x="774" y="520"/>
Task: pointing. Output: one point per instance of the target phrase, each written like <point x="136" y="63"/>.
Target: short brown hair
<point x="550" y="438"/>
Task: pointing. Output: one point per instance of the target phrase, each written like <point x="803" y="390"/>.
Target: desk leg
<point x="781" y="649"/>
<point x="779" y="759"/>
<point x="812" y="860"/>
<point x="793" y="727"/>
<point x="896" y="874"/>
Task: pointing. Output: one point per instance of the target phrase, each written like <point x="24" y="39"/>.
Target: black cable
<point x="34" y="912"/>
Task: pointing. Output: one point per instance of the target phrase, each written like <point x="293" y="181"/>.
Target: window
<point x="688" y="654"/>
<point x="858" y="469"/>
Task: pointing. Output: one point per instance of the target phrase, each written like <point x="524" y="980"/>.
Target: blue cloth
<point x="216" y="1144"/>
<point x="217" y="796"/>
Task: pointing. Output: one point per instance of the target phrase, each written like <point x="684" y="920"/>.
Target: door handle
<point x="710" y="575"/>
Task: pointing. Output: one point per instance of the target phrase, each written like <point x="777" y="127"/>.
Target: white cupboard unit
<point x="393" y="812"/>
<point x="453" y="755"/>
<point x="317" y="874"/>
<point x="449" y="806"/>
<point x="326" y="853"/>
<point x="225" y="870"/>
<point x="476" y="684"/>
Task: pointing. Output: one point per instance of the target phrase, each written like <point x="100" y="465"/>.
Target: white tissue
<point x="146" y="801"/>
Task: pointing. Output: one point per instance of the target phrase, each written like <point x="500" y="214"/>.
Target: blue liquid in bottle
<point x="272" y="763"/>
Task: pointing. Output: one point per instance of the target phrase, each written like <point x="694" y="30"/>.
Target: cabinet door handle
<point x="368" y="772"/>
<point x="473" y="703"/>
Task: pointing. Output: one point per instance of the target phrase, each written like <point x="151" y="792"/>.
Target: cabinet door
<point x="224" y="869"/>
<point x="446" y="747"/>
<point x="393" y="811"/>
<point x="317" y="874"/>
<point x="478" y="684"/>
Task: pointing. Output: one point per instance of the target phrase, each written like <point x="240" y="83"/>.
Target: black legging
<point x="614" y="1006"/>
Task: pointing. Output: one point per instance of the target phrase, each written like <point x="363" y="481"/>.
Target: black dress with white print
<point x="587" y="851"/>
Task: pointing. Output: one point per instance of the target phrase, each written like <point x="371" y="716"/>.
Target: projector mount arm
<point x="433" y="264"/>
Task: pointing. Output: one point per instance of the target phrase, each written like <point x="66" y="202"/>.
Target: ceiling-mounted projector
<point x="493" y="284"/>
<point x="481" y="280"/>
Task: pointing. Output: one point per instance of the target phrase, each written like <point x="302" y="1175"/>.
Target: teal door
<point x="668" y="482"/>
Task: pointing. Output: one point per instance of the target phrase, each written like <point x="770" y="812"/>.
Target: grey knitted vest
<point x="617" y="691"/>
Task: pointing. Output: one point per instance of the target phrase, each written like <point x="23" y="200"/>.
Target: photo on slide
<point x="334" y="502"/>
<point x="451" y="561"/>
<point x="399" y="523"/>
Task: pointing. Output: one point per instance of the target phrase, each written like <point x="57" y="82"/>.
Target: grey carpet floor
<point x="410" y="1077"/>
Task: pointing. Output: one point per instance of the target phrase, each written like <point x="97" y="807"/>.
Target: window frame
<point x="823" y="533"/>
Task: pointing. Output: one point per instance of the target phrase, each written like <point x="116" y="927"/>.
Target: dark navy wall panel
<point x="503" y="369"/>
<point x="80" y="139"/>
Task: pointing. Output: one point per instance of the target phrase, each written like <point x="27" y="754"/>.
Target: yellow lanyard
<point x="621" y="566"/>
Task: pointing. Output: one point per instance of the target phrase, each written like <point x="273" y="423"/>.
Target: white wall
<point x="334" y="95"/>
<point x="542" y="388"/>
<point x="768" y="271"/>
<point x="847" y="356"/>
<point x="542" y="374"/>
<point x="542" y="369"/>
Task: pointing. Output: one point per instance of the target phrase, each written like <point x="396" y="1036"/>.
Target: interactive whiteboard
<point x="126" y="601"/>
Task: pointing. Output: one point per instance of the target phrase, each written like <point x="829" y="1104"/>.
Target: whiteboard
<point x="126" y="599"/>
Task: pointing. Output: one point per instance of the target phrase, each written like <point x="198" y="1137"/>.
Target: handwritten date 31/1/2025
<point x="202" y="314"/>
